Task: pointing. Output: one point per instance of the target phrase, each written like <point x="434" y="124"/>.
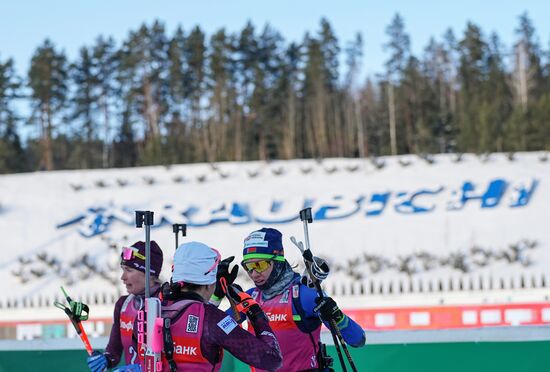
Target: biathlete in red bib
<point x="199" y="331"/>
<point x="126" y="308"/>
<point x="294" y="309"/>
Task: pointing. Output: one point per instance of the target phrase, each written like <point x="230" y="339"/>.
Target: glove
<point x="319" y="271"/>
<point x="244" y="303"/>
<point x="79" y="310"/>
<point x="97" y="362"/>
<point x="229" y="276"/>
<point x="328" y="309"/>
<point x="319" y="268"/>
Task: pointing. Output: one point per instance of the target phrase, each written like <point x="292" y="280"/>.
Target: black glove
<point x="319" y="270"/>
<point x="328" y="309"/>
<point x="229" y="276"/>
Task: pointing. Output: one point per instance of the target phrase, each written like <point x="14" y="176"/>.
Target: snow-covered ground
<point x="404" y="222"/>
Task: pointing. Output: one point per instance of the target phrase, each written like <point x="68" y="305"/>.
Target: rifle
<point x="149" y="320"/>
<point x="176" y="228"/>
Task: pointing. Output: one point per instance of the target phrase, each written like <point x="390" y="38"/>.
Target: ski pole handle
<point x="306" y="217"/>
<point x="232" y="303"/>
<point x="76" y="319"/>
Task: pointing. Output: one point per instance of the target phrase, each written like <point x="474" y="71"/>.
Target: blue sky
<point x="71" y="24"/>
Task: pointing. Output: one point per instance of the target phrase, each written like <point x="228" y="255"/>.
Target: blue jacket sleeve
<point x="352" y="332"/>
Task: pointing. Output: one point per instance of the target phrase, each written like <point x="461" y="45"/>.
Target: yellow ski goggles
<point x="258" y="266"/>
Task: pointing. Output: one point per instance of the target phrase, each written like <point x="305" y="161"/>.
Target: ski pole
<point x="176" y="228"/>
<point x="74" y="312"/>
<point x="306" y="217"/>
<point x="232" y="303"/>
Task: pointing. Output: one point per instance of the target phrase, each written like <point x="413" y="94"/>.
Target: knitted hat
<point x="195" y="263"/>
<point x="136" y="259"/>
<point x="265" y="243"/>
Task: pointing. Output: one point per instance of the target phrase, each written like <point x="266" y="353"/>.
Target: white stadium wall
<point x="400" y="233"/>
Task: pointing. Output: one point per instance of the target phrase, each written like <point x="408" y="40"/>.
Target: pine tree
<point x="11" y="151"/>
<point x="129" y="81"/>
<point x="105" y="66"/>
<point x="355" y="126"/>
<point x="288" y="86"/>
<point x="266" y="101"/>
<point x="195" y="55"/>
<point x="472" y="72"/>
<point x="448" y="112"/>
<point x="144" y="86"/>
<point x="314" y="92"/>
<point x="48" y="80"/>
<point x="527" y="70"/>
<point x="176" y="147"/>
<point x="219" y="84"/>
<point x="498" y="99"/>
<point x="330" y="51"/>
<point x="433" y="100"/>
<point x="411" y="106"/>
<point x="84" y="107"/>
<point x="331" y="127"/>
<point x="370" y="112"/>
<point x="399" y="48"/>
<point x="125" y="150"/>
<point x="247" y="65"/>
<point x="176" y="70"/>
<point x="528" y="82"/>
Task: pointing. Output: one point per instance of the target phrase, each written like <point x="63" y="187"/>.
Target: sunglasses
<point x="258" y="266"/>
<point x="128" y="253"/>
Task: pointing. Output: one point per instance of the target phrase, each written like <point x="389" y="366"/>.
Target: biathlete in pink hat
<point x="126" y="308"/>
<point x="294" y="309"/>
<point x="199" y="331"/>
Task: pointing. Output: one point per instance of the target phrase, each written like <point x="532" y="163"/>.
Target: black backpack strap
<point x="168" y="344"/>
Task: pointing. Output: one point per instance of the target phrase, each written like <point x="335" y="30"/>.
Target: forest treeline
<point x="159" y="98"/>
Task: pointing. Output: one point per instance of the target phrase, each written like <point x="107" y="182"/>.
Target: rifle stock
<point x="154" y="341"/>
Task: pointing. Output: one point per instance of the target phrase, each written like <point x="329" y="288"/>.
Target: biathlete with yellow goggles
<point x="294" y="309"/>
<point x="126" y="308"/>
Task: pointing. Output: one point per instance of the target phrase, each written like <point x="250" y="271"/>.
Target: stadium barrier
<point x="374" y="318"/>
<point x="499" y="349"/>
